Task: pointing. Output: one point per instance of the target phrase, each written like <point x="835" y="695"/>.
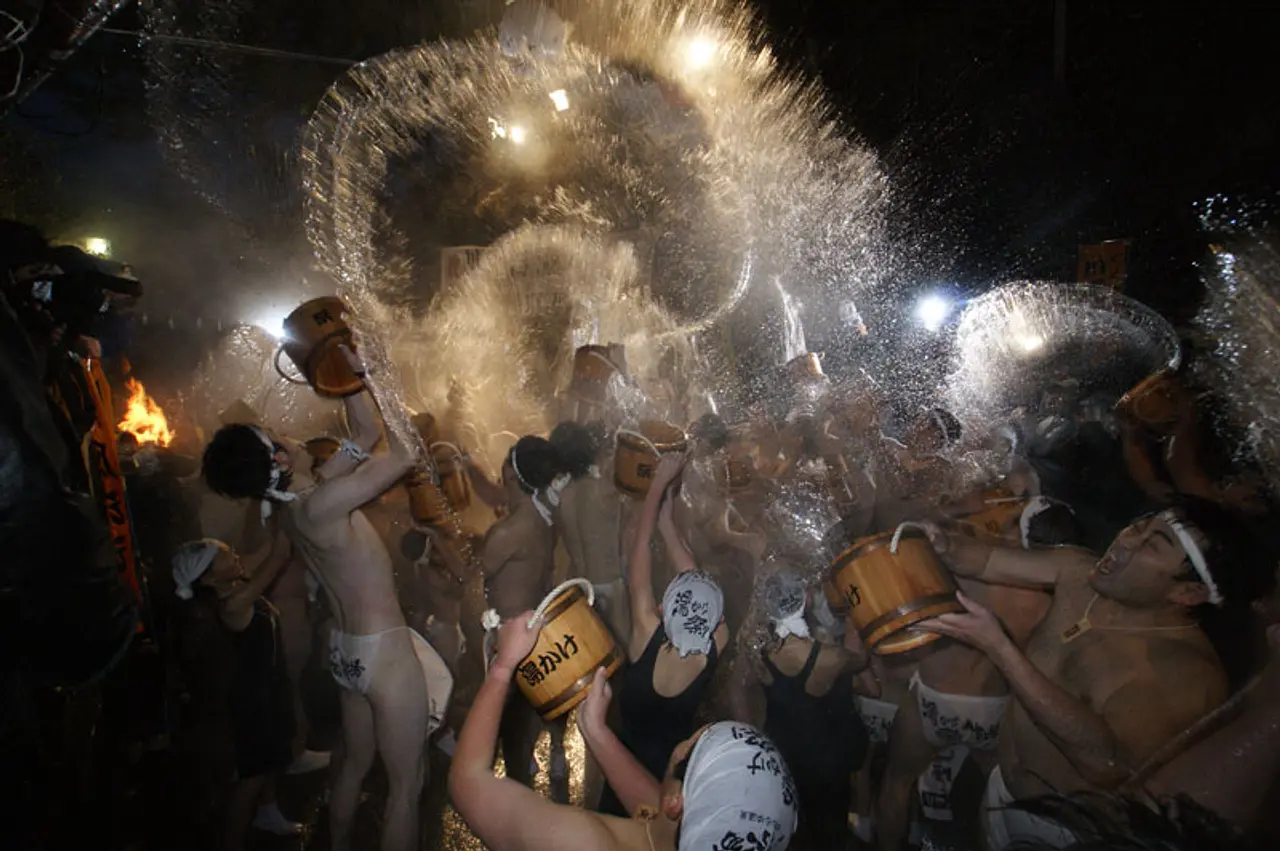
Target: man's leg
<point x="909" y="754"/>
<point x="400" y="716"/>
<point x="355" y="760"/>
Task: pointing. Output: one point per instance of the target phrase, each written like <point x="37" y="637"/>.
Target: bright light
<point x="561" y="99"/>
<point x="517" y="134"/>
<point x="97" y="246"/>
<point x="271" y="321"/>
<point x="932" y="311"/>
<point x="700" y="52"/>
<point x="1029" y="342"/>
<point x="496" y="130"/>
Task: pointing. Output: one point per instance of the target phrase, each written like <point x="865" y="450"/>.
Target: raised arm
<point x="491" y="493"/>
<point x="677" y="550"/>
<point x="362" y="422"/>
<point x="337" y="497"/>
<point x="504" y="814"/>
<point x="633" y="784"/>
<point x="644" y="608"/>
<point x="997" y="564"/>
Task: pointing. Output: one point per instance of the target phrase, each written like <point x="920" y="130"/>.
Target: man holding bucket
<point x="1118" y="666"/>
<point x="374" y="656"/>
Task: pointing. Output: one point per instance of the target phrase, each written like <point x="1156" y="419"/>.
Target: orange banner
<point x="105" y="463"/>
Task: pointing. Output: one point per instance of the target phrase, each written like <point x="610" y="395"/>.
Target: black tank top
<point x="259" y="660"/>
<point x="817" y="734"/>
<point x="652" y="725"/>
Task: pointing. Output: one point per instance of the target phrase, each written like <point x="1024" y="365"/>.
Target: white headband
<point x="558" y="484"/>
<point x="190" y="563"/>
<point x="272" y="492"/>
<point x="785" y="600"/>
<point x="1037" y="506"/>
<point x="1194" y="553"/>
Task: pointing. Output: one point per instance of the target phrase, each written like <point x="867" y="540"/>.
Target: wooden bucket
<point x="593" y="369"/>
<point x="452" y="470"/>
<point x="427" y="428"/>
<point x="573" y="643"/>
<point x="806" y="368"/>
<point x="313" y="334"/>
<point x="888" y="592"/>
<point x="999" y="520"/>
<point x="427" y="502"/>
<point x="637" y="453"/>
<point x="735" y="473"/>
<point x="321" y="449"/>
<point x="1154" y="401"/>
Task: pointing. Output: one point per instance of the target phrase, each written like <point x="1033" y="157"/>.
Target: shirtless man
<point x="517" y="559"/>
<point x="1117" y="667"/>
<point x="590" y="519"/>
<point x="373" y="654"/>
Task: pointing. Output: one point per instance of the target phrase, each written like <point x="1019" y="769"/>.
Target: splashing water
<point x="794" y="326"/>
<point x="662" y="124"/>
<point x="1016" y="340"/>
<point x="1241" y="321"/>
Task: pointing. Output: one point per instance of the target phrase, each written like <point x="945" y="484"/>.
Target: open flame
<point x="143" y="418"/>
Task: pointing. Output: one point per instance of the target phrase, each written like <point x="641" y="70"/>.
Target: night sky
<point x="1001" y="168"/>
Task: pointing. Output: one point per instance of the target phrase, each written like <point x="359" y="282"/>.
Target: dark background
<point x="1002" y="166"/>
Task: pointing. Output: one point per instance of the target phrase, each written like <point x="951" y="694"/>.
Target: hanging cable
<point x="231" y="47"/>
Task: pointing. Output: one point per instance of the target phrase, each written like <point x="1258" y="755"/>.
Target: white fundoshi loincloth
<point x="959" y="719"/>
<point x="1005" y="825"/>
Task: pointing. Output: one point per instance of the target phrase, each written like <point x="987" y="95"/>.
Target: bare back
<point x="1148" y="686"/>
<point x="518" y="558"/>
<point x="791" y="656"/>
<point x="352" y="565"/>
<point x="595" y="530"/>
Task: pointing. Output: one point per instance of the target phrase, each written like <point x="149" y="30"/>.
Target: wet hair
<point x="538" y="463"/>
<point x="236" y="463"/>
<point x="712" y="429"/>
<point x="1056" y="526"/>
<point x="578" y="445"/>
<point x="1241" y="560"/>
<point x="1102" y="822"/>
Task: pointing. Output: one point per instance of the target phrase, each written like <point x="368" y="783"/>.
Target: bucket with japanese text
<point x="572" y="644"/>
<point x="636" y="457"/>
<point x="891" y="582"/>
<point x="313" y="334"/>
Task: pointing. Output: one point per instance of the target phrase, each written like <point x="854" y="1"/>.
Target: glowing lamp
<point x="97" y="246"/>
<point x="932" y="311"/>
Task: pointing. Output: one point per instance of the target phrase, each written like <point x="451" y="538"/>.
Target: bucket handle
<point x="276" y="362"/>
<point x="647" y="441"/>
<point x="897" y="534"/>
<point x="555" y="592"/>
<point x="456" y="451"/>
<point x="611" y="364"/>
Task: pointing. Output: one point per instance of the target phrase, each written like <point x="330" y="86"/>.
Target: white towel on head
<point x="691" y="610"/>
<point x="785" y="599"/>
<point x="738" y="792"/>
<point x="190" y="563"/>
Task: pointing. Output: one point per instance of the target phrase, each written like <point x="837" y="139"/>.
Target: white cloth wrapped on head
<point x="692" y="608"/>
<point x="785" y="598"/>
<point x="273" y="493"/>
<point x="190" y="563"/>
<point x="738" y="792"/>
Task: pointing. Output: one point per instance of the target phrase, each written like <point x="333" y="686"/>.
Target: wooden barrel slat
<point x="887" y="594"/>
<point x="1154" y="400"/>
<point x="557" y="691"/>
<point x="454" y="480"/>
<point x="634" y="462"/>
<point x="313" y="333"/>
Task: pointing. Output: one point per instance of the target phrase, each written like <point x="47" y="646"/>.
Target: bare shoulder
<point x="1189" y="667"/>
